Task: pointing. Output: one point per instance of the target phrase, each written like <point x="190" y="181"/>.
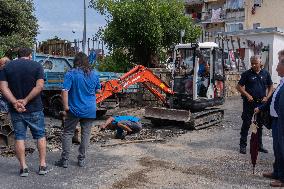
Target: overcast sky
<point x="61" y="17"/>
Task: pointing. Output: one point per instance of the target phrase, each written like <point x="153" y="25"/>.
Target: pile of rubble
<point x="53" y="138"/>
<point x="148" y="132"/>
<point x="54" y="133"/>
<point x="9" y="151"/>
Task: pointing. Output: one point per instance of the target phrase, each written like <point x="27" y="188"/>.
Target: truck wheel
<point x="56" y="107"/>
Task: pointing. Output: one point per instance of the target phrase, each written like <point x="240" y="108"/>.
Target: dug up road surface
<point x="207" y="158"/>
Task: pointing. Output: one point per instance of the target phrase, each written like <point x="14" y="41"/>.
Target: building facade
<point x="264" y="14"/>
<point x="216" y="16"/>
<point x="242" y="28"/>
<point x="234" y="15"/>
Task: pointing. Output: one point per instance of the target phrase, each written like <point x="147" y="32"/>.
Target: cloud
<point x="64" y="30"/>
<point x="60" y="21"/>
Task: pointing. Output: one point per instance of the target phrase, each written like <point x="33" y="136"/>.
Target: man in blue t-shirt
<point x="130" y="124"/>
<point x="79" y="102"/>
<point x="21" y="82"/>
<point x="255" y="87"/>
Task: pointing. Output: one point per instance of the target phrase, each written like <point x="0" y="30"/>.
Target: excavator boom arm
<point x="139" y="74"/>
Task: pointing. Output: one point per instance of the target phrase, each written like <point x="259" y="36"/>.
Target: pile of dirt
<point x="148" y="132"/>
<point x="9" y="151"/>
<point x="54" y="131"/>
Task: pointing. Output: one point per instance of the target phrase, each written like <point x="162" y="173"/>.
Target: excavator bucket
<point x="199" y="120"/>
<point x="161" y="113"/>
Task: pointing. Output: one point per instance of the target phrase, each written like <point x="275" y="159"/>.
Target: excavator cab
<point x="198" y="76"/>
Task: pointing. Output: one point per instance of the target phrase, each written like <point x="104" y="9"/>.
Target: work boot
<point x="243" y="150"/>
<point x="61" y="163"/>
<point x="263" y="150"/>
<point x="81" y="162"/>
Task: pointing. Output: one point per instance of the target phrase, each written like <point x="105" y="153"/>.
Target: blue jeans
<point x="33" y="120"/>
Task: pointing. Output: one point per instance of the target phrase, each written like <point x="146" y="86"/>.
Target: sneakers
<point x="61" y="163"/>
<point x="43" y="170"/>
<point x="243" y="150"/>
<point x="64" y="163"/>
<point x="24" y="172"/>
<point x="82" y="163"/>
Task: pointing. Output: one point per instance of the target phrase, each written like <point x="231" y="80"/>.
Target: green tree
<point x="18" y="25"/>
<point x="144" y="28"/>
<point x="116" y="62"/>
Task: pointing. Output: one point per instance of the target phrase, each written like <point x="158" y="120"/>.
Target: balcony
<point x="235" y="16"/>
<point x="235" y="5"/>
<point x="196" y="17"/>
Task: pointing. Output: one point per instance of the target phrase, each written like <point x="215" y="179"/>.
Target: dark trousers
<point x="248" y="110"/>
<point x="278" y="148"/>
<point x="70" y="124"/>
<point x="134" y="126"/>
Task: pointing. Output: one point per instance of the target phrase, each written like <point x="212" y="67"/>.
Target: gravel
<point x="207" y="158"/>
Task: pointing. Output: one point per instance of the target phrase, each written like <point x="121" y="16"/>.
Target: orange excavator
<point x="139" y="74"/>
<point x="197" y="87"/>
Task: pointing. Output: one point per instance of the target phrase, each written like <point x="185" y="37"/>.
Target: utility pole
<point x="84" y="31"/>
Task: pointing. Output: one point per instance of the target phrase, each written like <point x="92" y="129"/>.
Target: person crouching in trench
<point x="130" y="124"/>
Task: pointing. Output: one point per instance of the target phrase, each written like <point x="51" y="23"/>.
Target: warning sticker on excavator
<point x="162" y="85"/>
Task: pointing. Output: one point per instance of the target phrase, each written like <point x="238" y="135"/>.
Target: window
<point x="256" y="25"/>
<point x="235" y="4"/>
<point x="257" y="3"/>
<point x="234" y="27"/>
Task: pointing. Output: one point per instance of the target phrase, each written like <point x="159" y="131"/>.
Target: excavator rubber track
<point x="199" y="120"/>
<point x="206" y="118"/>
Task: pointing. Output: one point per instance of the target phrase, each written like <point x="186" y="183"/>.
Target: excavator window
<point x="218" y="62"/>
<point x="218" y="73"/>
<point x="203" y="72"/>
<point x="184" y="61"/>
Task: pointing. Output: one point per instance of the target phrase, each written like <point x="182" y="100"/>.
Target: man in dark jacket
<point x="276" y="108"/>
<point x="253" y="86"/>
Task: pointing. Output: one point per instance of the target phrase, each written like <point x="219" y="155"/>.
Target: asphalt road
<point x="207" y="158"/>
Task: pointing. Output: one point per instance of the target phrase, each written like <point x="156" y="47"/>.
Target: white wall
<point x="275" y="42"/>
<point x="278" y="45"/>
